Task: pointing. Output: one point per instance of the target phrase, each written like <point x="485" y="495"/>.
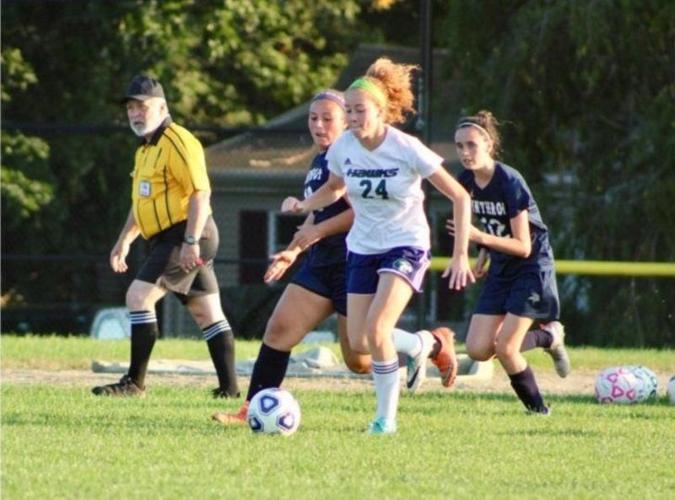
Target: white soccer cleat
<point x="417" y="365"/>
<point x="557" y="351"/>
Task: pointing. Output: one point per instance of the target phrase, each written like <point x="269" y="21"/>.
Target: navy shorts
<point x="530" y="295"/>
<point x="328" y="281"/>
<point x="363" y="271"/>
<point x="162" y="267"/>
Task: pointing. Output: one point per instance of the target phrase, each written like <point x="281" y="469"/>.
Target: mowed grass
<point x="62" y="442"/>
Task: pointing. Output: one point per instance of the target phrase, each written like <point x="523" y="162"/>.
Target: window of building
<point x="263" y="233"/>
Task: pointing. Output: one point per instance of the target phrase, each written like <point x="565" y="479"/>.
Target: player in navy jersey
<point x="318" y="288"/>
<point x="520" y="285"/>
<point x="381" y="169"/>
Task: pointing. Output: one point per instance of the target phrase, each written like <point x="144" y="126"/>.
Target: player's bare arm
<point x="519" y="244"/>
<point x="283" y="260"/>
<point x="458" y="269"/>
<point x="308" y="234"/>
<point x="329" y="193"/>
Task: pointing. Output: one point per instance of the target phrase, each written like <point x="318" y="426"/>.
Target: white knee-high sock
<point x="406" y="342"/>
<point x="387" y="384"/>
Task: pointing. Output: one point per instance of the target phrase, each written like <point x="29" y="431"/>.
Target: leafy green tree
<point x="587" y="93"/>
<point x="26" y="183"/>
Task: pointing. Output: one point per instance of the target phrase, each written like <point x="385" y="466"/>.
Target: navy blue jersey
<point x="331" y="249"/>
<point x="506" y="195"/>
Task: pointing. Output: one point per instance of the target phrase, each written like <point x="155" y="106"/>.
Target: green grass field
<point x="59" y="441"/>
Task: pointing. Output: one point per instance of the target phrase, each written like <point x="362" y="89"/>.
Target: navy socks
<point x="269" y="370"/>
<point x="527" y="390"/>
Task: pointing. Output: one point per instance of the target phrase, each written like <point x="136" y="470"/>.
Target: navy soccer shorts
<point x="363" y="271"/>
<point x="530" y="295"/>
<point x="328" y="281"/>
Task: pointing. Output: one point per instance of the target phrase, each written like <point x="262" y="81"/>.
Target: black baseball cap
<point x="143" y="87"/>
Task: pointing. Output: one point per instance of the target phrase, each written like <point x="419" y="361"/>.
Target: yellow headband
<point x="373" y="89"/>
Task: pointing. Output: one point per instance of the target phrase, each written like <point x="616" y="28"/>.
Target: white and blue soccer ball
<point x="671" y="390"/>
<point x="648" y="384"/>
<point x="617" y="385"/>
<point x="274" y="411"/>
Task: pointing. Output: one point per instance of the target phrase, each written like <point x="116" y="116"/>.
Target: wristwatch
<point x="190" y="240"/>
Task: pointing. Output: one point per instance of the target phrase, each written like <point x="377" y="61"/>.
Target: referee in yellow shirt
<point x="170" y="207"/>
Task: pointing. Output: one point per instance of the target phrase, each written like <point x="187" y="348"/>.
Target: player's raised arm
<point x="330" y="192"/>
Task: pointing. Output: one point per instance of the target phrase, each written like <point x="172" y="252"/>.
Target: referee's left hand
<point x="189" y="257"/>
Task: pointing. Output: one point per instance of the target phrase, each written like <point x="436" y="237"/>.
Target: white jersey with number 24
<point x="384" y="187"/>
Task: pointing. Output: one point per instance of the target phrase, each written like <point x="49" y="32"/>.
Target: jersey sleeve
<point x="517" y="196"/>
<point x="423" y="159"/>
<point x="333" y="162"/>
<point x="188" y="164"/>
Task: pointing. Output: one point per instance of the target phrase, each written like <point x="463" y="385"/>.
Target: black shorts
<point x="162" y="267"/>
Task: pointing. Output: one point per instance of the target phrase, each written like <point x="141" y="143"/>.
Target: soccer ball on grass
<point x="274" y="411"/>
<point x="648" y="384"/>
<point x="617" y="384"/>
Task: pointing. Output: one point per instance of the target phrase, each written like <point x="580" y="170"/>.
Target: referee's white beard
<point x="141" y="130"/>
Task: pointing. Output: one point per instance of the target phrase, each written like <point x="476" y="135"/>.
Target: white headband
<point x="472" y="124"/>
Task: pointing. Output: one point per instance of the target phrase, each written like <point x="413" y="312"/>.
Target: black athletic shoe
<point x="222" y="393"/>
<point x="125" y="387"/>
<point x="544" y="411"/>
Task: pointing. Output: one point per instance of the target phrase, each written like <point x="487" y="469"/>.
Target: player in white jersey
<point x="389" y="199"/>
<point x="319" y="287"/>
<point x="381" y="170"/>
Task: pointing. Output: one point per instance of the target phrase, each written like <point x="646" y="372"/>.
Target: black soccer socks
<point x="527" y="390"/>
<point x="144" y="333"/>
<point x="269" y="370"/>
<point x="220" y="340"/>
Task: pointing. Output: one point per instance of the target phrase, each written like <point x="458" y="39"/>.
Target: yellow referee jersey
<point x="167" y="170"/>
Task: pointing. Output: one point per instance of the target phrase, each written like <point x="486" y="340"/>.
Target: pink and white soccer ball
<point x="274" y="411"/>
<point x="648" y="384"/>
<point x="617" y="384"/>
